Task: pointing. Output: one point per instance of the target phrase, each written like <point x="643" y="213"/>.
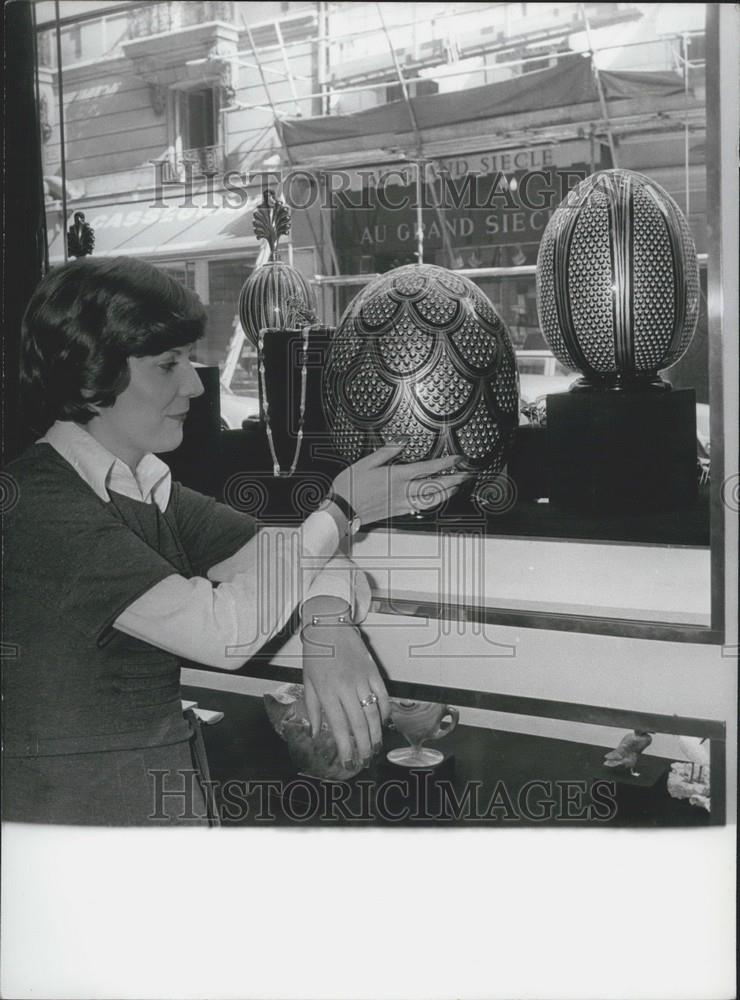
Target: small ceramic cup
<point x="419" y="721"/>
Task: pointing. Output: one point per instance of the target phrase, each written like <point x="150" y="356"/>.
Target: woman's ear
<point x="91" y="408"/>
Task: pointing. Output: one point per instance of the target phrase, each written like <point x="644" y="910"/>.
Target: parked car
<point x="531" y="387"/>
<point x="541" y="373"/>
<point x="236" y="410"/>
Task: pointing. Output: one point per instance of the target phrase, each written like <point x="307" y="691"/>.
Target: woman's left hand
<point x="341" y="677"/>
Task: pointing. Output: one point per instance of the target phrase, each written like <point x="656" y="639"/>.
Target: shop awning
<point x="171" y="229"/>
<point x="568" y="84"/>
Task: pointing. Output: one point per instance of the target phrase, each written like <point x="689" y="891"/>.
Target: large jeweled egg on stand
<point x="422" y="353"/>
<point x="618" y="281"/>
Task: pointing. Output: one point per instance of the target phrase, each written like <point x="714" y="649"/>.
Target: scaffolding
<point x="446" y="60"/>
<point x="446" y="55"/>
<point x="448" y="63"/>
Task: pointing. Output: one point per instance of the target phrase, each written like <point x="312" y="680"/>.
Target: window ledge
<point x="647" y="583"/>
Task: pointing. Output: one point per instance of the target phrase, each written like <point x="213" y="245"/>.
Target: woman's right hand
<point x="378" y="490"/>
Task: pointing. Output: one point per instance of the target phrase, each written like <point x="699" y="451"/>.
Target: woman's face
<point x="150" y="413"/>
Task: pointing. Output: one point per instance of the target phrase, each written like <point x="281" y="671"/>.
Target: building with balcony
<point x="155" y="154"/>
<point x="171" y="111"/>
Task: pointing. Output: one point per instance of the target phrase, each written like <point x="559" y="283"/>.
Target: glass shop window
<point x="304" y="261"/>
<point x="94" y="39"/>
<point x="536" y="64"/>
<point x="199" y="118"/>
<point x="183" y="272"/>
<point x="473" y="212"/>
<point x="415" y="88"/>
<point x="225" y="280"/>
<point x="71" y="44"/>
<point x="515" y="301"/>
<point x="197" y="129"/>
<point x="696" y="47"/>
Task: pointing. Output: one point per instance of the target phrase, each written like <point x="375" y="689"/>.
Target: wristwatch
<point x="353" y="518"/>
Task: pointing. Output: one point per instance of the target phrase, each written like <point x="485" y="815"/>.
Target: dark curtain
<point x="23" y="203"/>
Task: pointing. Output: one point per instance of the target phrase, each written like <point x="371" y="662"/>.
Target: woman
<point x="114" y="572"/>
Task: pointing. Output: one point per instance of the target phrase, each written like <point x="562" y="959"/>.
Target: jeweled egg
<point x="421" y="353"/>
<point x="617" y="279"/>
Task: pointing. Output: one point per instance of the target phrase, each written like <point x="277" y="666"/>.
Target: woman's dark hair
<point x="83" y="323"/>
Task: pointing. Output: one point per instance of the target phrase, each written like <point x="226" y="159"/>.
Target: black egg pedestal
<point x="626" y="450"/>
<point x="291" y="434"/>
<point x="285" y="354"/>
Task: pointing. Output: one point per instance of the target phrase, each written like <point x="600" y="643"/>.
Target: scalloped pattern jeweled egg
<point x="422" y="353"/>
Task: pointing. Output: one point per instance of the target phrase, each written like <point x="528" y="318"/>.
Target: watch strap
<point x="345" y="506"/>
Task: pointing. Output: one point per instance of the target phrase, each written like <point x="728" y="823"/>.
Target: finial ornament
<point x="271" y="221"/>
<point x="275" y="295"/>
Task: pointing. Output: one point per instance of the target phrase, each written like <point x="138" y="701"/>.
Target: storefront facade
<point x="170" y="132"/>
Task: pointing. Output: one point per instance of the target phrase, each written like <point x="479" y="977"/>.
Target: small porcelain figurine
<point x="629" y="750"/>
<point x="419" y="721"/>
<point x="697" y="751"/>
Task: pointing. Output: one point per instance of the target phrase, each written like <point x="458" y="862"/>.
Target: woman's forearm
<point x="225" y="625"/>
<point x="316" y="540"/>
